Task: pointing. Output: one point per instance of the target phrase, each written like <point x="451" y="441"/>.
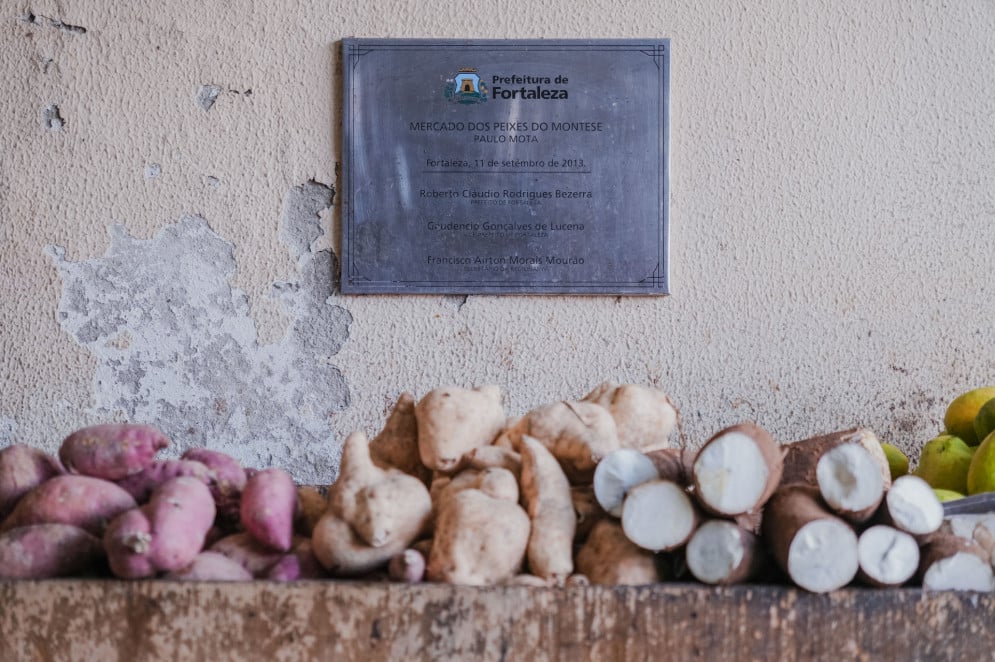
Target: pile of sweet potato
<point x="451" y="490"/>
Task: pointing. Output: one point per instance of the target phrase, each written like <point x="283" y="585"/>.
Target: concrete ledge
<point x="119" y="620"/>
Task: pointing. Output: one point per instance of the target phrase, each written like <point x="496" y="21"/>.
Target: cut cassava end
<point x="802" y="457"/>
<point x="619" y="472"/>
<point x="815" y="548"/>
<point x="887" y="556"/>
<point x="952" y="563"/>
<point x="720" y="552"/>
<point x="912" y="506"/>
<point x="737" y="470"/>
<point x="658" y="515"/>
<point x="850" y="482"/>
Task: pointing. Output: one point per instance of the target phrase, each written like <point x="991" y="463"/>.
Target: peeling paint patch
<point x="152" y="170"/>
<point x="173" y="339"/>
<point x="51" y="119"/>
<point x="8" y="428"/>
<point x="207" y="95"/>
<point x="212" y="181"/>
<point x="58" y="24"/>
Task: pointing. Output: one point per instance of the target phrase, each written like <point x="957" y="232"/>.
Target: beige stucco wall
<point x="833" y="206"/>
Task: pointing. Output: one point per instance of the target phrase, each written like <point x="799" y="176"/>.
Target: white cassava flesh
<point x="720" y="552"/>
<point x="619" y="472"/>
<point x="850" y="482"/>
<point x="887" y="556"/>
<point x="823" y="556"/>
<point x="658" y="515"/>
<point x="961" y="572"/>
<point x="737" y="470"/>
<point x="912" y="506"/>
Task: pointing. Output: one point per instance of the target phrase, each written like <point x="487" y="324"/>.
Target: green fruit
<point x="898" y="464"/>
<point x="959" y="418"/>
<point x="981" y="474"/>
<point x="984" y="422"/>
<point x="947" y="495"/>
<point x="944" y="463"/>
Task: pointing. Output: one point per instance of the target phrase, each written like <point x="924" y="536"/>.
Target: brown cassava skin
<point x="311" y="505"/>
<point x="453" y="421"/>
<point x="942" y="546"/>
<point x="382" y="506"/>
<point x="142" y="484"/>
<point x="587" y="509"/>
<point x="248" y="552"/>
<point x="111" y="451"/>
<point x="397" y="444"/>
<point x="23" y="468"/>
<point x="773" y="458"/>
<point x="578" y="434"/>
<point x="83" y="501"/>
<point x="550" y="507"/>
<point x="164" y="535"/>
<point x="791" y="508"/>
<point x="673" y="464"/>
<point x="479" y="540"/>
<point x="802" y="457"/>
<point x="645" y="417"/>
<point x="609" y="558"/>
<point x="343" y="553"/>
<point x="211" y="567"/>
<point x="267" y="508"/>
<point x="42" y="551"/>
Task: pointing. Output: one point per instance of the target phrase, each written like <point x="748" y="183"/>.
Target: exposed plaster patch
<point x="207" y="95"/>
<point x="152" y="170"/>
<point x="51" y="119"/>
<point x="176" y="346"/>
<point x="212" y="181"/>
<point x="456" y="300"/>
<point x="8" y="428"/>
<point x="45" y="21"/>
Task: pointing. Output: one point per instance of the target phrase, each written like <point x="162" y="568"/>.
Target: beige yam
<point x="397" y="444"/>
<point x="344" y="554"/>
<point x="587" y="510"/>
<point x="383" y="506"/>
<point x="609" y="558"/>
<point x="479" y="540"/>
<point x="578" y="434"/>
<point x="489" y="457"/>
<point x="453" y="421"/>
<point x="645" y="417"/>
<point x="550" y="507"/>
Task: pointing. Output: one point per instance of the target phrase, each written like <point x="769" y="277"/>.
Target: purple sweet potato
<point x="267" y="508"/>
<point x="248" y="552"/>
<point x="23" y="468"/>
<point x="111" y="451"/>
<point x="47" y="550"/>
<point x="142" y="484"/>
<point x="89" y="503"/>
<point x="164" y="535"/>
<point x="211" y="567"/>
<point x="227" y="474"/>
<point x="298" y="564"/>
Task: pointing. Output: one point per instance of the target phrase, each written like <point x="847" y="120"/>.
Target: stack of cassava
<point x="574" y="492"/>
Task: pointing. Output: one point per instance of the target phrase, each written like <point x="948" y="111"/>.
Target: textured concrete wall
<point x="169" y="229"/>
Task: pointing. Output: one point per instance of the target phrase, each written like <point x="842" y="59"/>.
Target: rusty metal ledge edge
<point x="140" y="620"/>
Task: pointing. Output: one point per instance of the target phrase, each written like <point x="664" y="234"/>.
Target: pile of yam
<point x="576" y="492"/>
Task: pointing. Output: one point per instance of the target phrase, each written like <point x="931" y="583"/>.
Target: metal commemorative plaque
<point x="505" y="167"/>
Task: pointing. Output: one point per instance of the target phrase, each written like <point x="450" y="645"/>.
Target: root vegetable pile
<point x="575" y="492"/>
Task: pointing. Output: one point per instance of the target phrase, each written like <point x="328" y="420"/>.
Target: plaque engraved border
<point x="505" y="167"/>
